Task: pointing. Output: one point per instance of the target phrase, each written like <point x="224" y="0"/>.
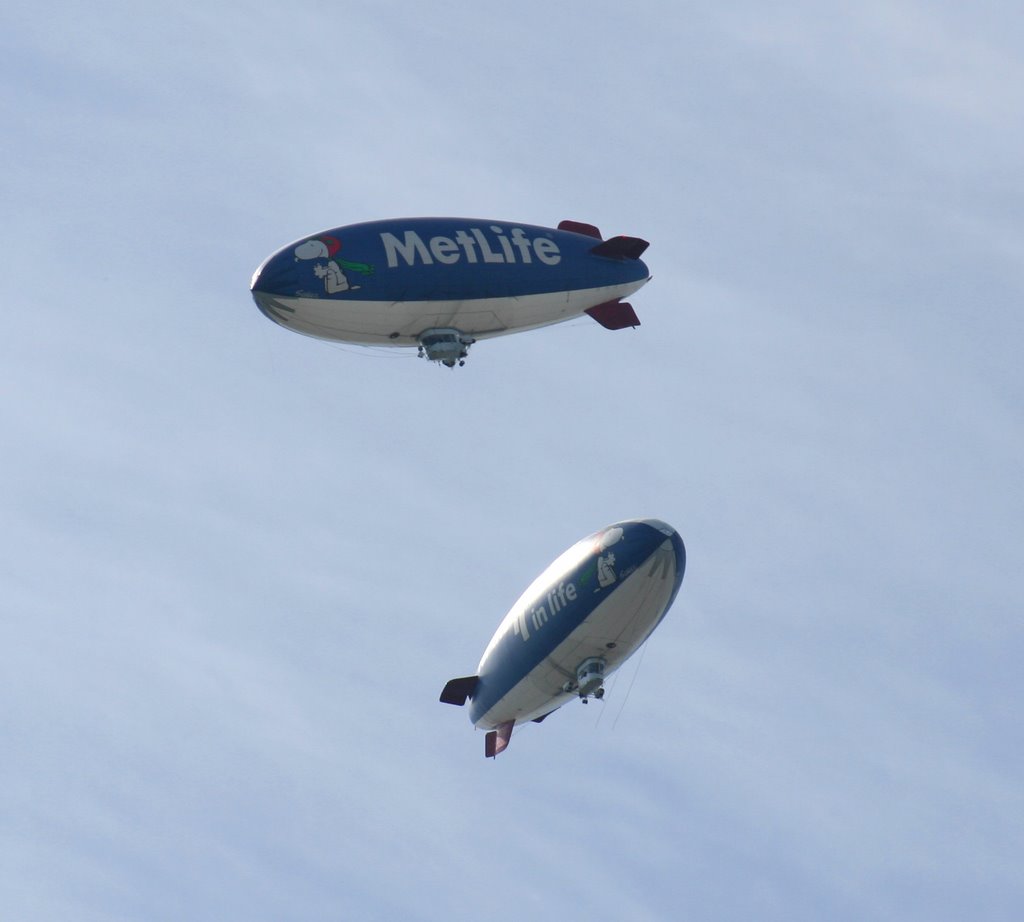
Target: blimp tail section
<point x="458" y="692"/>
<point x="612" y="315"/>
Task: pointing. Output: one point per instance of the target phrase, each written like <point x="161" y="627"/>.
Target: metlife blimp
<point x="576" y="623"/>
<point x="440" y="284"/>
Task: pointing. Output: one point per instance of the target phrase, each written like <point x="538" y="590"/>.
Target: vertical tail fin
<point x="580" y="227"/>
<point x="497" y="740"/>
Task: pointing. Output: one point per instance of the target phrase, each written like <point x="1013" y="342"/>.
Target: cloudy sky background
<point x="237" y="565"/>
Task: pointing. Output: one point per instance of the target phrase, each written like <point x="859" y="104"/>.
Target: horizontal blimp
<point x="440" y="284"/>
<point x="577" y="622"/>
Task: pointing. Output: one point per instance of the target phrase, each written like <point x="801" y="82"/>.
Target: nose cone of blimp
<point x="277" y="278"/>
<point x="278" y="275"/>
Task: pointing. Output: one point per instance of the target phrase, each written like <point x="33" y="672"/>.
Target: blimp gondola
<point x="441" y="284"/>
<point x="576" y="623"/>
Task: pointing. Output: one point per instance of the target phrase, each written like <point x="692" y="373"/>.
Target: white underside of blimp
<point x="400" y="323"/>
<point x="613" y="631"/>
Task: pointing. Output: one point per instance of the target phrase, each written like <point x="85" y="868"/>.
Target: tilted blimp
<point x="576" y="623"/>
<point x="440" y="284"/>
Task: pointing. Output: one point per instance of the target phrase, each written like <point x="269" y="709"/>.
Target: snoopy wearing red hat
<point x="332" y="270"/>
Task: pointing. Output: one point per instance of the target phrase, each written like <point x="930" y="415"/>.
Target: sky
<point x="238" y="565"/>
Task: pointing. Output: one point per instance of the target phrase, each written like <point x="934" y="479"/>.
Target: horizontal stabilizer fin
<point x="621" y="248"/>
<point x="579" y="227"/>
<point x="614" y="315"/>
<point x="458" y="690"/>
<point x="537" y="720"/>
<point x="497" y="740"/>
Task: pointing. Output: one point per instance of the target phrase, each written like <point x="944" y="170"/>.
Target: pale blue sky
<point x="238" y="565"/>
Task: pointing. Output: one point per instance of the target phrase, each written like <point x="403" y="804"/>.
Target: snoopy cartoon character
<point x="333" y="269"/>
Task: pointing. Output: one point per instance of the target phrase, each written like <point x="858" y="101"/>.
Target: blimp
<point x="575" y="624"/>
<point x="440" y="284"/>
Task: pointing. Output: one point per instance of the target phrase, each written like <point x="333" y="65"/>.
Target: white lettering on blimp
<point x="557" y="599"/>
<point x="471" y="245"/>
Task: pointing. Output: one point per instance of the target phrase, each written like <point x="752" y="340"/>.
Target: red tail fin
<point x="579" y="227"/>
<point x="614" y="315"/>
<point x="497" y="740"/>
